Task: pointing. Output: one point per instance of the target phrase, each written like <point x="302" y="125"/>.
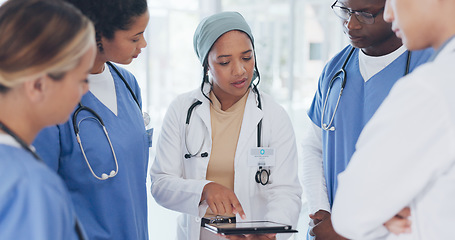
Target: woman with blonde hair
<point x="44" y="62"/>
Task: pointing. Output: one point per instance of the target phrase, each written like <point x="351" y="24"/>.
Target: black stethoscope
<point x="35" y="155"/>
<point x="98" y="119"/>
<point x="342" y="75"/>
<point x="262" y="175"/>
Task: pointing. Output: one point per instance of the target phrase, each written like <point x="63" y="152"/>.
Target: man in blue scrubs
<point x="373" y="62"/>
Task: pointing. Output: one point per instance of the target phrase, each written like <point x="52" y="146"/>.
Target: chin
<point x="124" y="62"/>
<point x="128" y="61"/>
<point x="359" y="45"/>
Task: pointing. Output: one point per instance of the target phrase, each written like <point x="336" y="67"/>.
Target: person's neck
<point x="98" y="65"/>
<point x="20" y="115"/>
<point x="226" y="100"/>
<point x="388" y="46"/>
<point x="22" y="128"/>
<point x="227" y="103"/>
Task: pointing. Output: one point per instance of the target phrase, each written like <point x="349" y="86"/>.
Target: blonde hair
<point x="40" y="37"/>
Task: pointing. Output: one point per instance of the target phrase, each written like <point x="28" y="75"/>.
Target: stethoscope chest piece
<point x="262" y="176"/>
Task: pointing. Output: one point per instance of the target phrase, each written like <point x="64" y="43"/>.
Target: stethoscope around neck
<point x="97" y="118"/>
<point x="262" y="175"/>
<point x="341" y="74"/>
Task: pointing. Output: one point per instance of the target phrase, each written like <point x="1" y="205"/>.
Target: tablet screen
<point x="260" y="224"/>
<point x="253" y="227"/>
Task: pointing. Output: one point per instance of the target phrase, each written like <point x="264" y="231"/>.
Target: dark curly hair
<point x="108" y="16"/>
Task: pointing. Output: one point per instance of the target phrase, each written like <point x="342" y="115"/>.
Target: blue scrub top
<point x="34" y="202"/>
<point x="359" y="102"/>
<point x="115" y="208"/>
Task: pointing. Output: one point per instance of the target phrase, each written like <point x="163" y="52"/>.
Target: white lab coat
<point x="405" y="157"/>
<point x="177" y="183"/>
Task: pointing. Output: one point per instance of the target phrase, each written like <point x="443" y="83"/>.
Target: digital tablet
<point x="252" y="227"/>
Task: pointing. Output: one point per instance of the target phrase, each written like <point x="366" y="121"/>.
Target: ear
<point x="36" y="89"/>
<point x="99" y="42"/>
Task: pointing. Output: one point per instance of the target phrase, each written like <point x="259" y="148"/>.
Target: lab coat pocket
<point x="196" y="166"/>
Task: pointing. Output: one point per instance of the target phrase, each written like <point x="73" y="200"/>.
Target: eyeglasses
<point x="363" y="17"/>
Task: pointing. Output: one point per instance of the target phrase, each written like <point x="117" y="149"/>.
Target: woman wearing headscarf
<point x="43" y="75"/>
<point x="205" y="163"/>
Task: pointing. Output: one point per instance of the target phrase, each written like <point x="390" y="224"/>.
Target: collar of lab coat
<point x="446" y="48"/>
<point x="251" y="116"/>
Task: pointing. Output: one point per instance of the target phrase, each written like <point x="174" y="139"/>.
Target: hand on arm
<point x="221" y="200"/>
<point x="400" y="223"/>
<point x="323" y="228"/>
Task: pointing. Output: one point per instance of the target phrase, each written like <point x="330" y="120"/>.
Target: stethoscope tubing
<point x="21" y="142"/>
<point x="187" y="123"/>
<point x="343" y="75"/>
<point x="340" y="74"/>
<point x="188" y="118"/>
<point x="262" y="175"/>
<point x="98" y="118"/>
<point x="104" y="176"/>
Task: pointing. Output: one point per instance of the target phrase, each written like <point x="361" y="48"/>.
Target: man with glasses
<point x="351" y="87"/>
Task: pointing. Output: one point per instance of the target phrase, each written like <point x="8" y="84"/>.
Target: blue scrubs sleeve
<point x="317" y="105"/>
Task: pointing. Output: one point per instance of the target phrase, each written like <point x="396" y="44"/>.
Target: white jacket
<point x="405" y="157"/>
<point x="177" y="182"/>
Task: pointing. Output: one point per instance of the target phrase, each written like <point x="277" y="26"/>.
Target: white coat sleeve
<point x="284" y="193"/>
<point x="169" y="187"/>
<point x="314" y="184"/>
<point x="405" y="146"/>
